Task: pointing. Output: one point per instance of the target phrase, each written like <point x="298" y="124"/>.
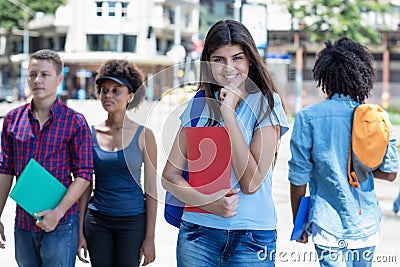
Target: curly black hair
<point x="346" y="68"/>
<point x="124" y="69"/>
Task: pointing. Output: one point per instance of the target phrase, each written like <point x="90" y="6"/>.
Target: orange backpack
<point x="369" y="141"/>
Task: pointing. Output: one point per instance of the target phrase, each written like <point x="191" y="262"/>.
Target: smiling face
<point x="114" y="96"/>
<point x="43" y="79"/>
<point x="232" y="65"/>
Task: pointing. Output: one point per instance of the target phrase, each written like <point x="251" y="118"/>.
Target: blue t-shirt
<point x="256" y="211"/>
<point x="117" y="190"/>
<point x="320" y="145"/>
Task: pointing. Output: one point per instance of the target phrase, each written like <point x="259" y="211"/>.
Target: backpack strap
<point x="353" y="180"/>
<point x="197" y="107"/>
<point x="174" y="207"/>
<point x="195" y="113"/>
<point x="352" y="176"/>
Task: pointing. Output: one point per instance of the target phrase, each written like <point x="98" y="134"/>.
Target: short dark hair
<point x="127" y="70"/>
<point x="346" y="68"/>
<point x="49" y="55"/>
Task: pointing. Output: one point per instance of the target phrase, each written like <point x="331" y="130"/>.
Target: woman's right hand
<point x="223" y="203"/>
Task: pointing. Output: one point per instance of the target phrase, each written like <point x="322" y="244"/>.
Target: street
<point x="162" y="118"/>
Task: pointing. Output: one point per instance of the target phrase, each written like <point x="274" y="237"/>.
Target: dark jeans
<point x="53" y="249"/>
<point x="114" y="241"/>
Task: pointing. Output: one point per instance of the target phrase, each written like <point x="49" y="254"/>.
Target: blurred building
<point x="88" y="32"/>
<point x="281" y="39"/>
<point x="156" y="34"/>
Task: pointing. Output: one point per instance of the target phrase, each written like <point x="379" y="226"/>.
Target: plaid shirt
<point x="63" y="146"/>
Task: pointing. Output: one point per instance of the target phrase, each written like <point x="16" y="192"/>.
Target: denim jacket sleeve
<point x="300" y="165"/>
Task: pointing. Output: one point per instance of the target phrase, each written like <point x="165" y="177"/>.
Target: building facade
<point x="88" y="32"/>
<point x="156" y="34"/>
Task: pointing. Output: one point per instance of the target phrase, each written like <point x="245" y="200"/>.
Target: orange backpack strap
<point x="353" y="180"/>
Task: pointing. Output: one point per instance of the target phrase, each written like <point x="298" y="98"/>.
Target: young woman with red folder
<point x="240" y="226"/>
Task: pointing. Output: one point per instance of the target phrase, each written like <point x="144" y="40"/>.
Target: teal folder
<point x="301" y="221"/>
<point x="37" y="190"/>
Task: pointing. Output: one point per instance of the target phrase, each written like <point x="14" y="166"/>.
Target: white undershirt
<point x="323" y="238"/>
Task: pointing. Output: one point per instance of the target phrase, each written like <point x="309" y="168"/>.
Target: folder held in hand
<point x="37" y="190"/>
<point x="209" y="160"/>
<point x="301" y="221"/>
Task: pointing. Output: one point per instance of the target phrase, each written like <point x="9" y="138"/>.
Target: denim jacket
<point x="320" y="145"/>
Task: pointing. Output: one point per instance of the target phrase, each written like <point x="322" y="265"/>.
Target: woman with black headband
<point x="118" y="229"/>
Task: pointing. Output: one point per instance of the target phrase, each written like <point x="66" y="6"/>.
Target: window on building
<point x="109" y="42"/>
<point x="129" y="43"/>
<point x="16" y="47"/>
<point x="394" y="76"/>
<point x="169" y="15"/>
<point x="50" y="43"/>
<point x="159" y="47"/>
<point x="229" y="9"/>
<point x="103" y="42"/>
<point x="99" y="9"/>
<point x="62" y="40"/>
<point x="187" y="18"/>
<point x="163" y="45"/>
<point x="124" y="9"/>
<point x="111" y="9"/>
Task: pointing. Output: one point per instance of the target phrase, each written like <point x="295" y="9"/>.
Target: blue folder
<point x="301" y="221"/>
<point x="37" y="190"/>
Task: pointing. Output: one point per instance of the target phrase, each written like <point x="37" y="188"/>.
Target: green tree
<point x="330" y="19"/>
<point x="12" y="16"/>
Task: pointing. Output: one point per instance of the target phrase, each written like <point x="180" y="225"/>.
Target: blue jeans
<point x="200" y="246"/>
<point x="57" y="248"/>
<point x="343" y="257"/>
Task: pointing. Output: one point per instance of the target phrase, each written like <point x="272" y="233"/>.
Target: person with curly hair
<point x="320" y="146"/>
<point x="240" y="226"/>
<point x="119" y="226"/>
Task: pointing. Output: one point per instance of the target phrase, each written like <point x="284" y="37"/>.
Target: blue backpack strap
<point x="173" y="207"/>
<point x="195" y="112"/>
<point x="197" y="107"/>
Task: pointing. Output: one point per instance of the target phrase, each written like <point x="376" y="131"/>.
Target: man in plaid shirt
<point x="59" y="139"/>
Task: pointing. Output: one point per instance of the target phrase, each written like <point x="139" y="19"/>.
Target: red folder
<point x="209" y="160"/>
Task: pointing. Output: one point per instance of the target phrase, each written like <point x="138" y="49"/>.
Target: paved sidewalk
<point x="162" y="118"/>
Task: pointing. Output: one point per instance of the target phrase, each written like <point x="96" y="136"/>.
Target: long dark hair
<point x="231" y="32"/>
<point x="346" y="68"/>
